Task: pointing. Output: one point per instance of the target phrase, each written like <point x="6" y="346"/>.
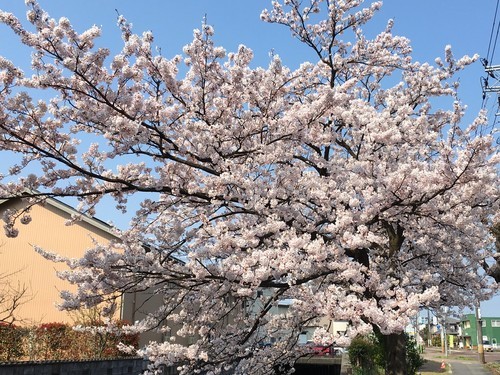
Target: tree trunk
<point x="395" y="354"/>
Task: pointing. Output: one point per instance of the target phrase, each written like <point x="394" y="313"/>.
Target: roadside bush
<point x="59" y="341"/>
<point x="11" y="343"/>
<point x="436" y="340"/>
<point x="414" y="359"/>
<point x="118" y="337"/>
<point x="53" y="339"/>
<point x="367" y="356"/>
<point x="363" y="355"/>
<point x="101" y="341"/>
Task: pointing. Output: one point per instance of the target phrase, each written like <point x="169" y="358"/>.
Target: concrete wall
<point x="129" y="366"/>
<point x="136" y="306"/>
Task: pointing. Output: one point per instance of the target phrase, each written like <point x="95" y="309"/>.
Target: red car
<point x="321" y="350"/>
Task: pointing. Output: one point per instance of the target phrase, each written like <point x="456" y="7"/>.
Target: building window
<point x="467" y="324"/>
<point x="495" y="323"/>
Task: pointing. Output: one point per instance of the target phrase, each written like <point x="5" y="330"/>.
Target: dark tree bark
<point x="395" y="353"/>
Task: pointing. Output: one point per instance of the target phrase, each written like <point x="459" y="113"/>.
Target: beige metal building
<point x="24" y="267"/>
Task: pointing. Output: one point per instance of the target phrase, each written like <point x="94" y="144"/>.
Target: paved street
<point x="463" y="368"/>
<point x="462" y="362"/>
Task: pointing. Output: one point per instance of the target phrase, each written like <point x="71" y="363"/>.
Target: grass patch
<point x="432" y="368"/>
<point x="494" y="367"/>
<point x="459" y="357"/>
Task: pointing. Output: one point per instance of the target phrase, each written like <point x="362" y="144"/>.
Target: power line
<point x="492" y="71"/>
<point x="491" y="34"/>
<point x="495" y="44"/>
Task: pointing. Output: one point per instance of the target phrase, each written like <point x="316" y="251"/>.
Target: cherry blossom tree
<point x="349" y="186"/>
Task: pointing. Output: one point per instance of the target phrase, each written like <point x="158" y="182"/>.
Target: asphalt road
<point x="462" y="362"/>
<point x="462" y="368"/>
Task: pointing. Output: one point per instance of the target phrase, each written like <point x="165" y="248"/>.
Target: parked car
<point x="487" y="347"/>
<point x="321" y="350"/>
<point x="339" y="350"/>
<point x="326" y="350"/>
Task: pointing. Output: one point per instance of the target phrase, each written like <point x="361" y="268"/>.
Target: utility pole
<point x="444" y="331"/>
<point x="429" y="336"/>
<point x="491" y="72"/>
<point x="480" y="347"/>
<point x="443" y="339"/>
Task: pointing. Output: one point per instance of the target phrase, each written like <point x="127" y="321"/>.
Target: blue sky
<point x="429" y="24"/>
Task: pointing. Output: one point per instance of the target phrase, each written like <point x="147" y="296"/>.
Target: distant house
<point x="282" y="307"/>
<point x="453" y="332"/>
<point x="490" y="330"/>
<point x="136" y="306"/>
<point x="420" y="328"/>
<point x="335" y="327"/>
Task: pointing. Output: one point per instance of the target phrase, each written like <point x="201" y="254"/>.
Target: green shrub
<point x="59" y="341"/>
<point x="11" y="342"/>
<point x="414" y="359"/>
<point x="99" y="342"/>
<point x="53" y="339"/>
<point x="368" y="358"/>
<point x="114" y="339"/>
<point x="363" y="355"/>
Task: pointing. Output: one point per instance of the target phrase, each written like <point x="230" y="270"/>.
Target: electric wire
<point x="491" y="34"/>
<point x="495" y="44"/>
<point x="488" y="62"/>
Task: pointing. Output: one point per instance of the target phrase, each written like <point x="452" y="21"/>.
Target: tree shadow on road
<point x="431" y="367"/>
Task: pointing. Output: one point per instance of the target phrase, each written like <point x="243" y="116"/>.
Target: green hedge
<point x="11" y="342"/>
<point x="59" y="341"/>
